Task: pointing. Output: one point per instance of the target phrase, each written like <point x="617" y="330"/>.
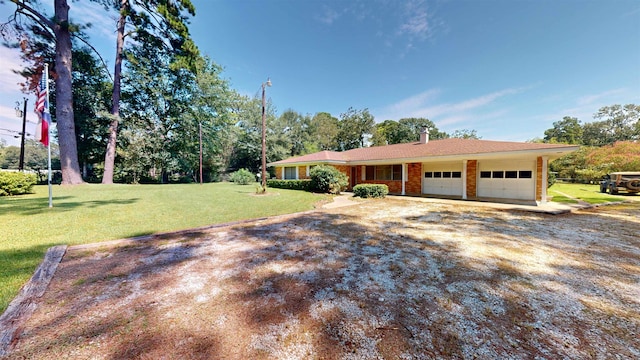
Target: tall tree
<point x="324" y="129"/>
<point x="27" y="19"/>
<point x="392" y="132"/>
<point x="158" y="103"/>
<point x="616" y="123"/>
<point x="298" y="129"/>
<point x="465" y="134"/>
<point x="212" y="108"/>
<point x="417" y="124"/>
<point x="247" y="151"/>
<point x="355" y="125"/>
<point x="92" y="99"/>
<point x="166" y="21"/>
<point x="566" y="131"/>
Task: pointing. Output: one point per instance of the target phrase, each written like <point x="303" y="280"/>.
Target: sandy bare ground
<point x="383" y="279"/>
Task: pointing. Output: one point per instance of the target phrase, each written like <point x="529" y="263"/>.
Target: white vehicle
<point x="615" y="182"/>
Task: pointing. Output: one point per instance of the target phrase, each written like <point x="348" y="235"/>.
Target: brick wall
<point x="302" y="172"/>
<point x="279" y="170"/>
<point x="413" y="185"/>
<point x="539" y="180"/>
<point x="472" y="176"/>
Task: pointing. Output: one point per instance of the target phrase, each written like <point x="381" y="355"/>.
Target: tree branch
<point x="104" y="64"/>
<point x="32" y="13"/>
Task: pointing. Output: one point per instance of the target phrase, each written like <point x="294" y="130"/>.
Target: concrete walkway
<point x="547" y="208"/>
<point x="345" y="199"/>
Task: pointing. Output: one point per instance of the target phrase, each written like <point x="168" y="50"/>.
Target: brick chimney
<point x="424" y="136"/>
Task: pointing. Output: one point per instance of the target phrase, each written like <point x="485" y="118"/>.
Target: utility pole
<point x="24" y="125"/>
<point x="200" y="131"/>
<point x="264" y="139"/>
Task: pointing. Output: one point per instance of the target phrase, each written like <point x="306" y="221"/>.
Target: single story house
<point x="452" y="168"/>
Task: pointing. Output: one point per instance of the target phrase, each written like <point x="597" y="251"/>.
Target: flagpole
<point x="46" y="75"/>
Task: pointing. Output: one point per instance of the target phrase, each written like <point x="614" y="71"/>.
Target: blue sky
<point x="507" y="69"/>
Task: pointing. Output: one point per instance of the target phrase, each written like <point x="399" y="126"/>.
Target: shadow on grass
<point x="34" y="206"/>
<point x="347" y="285"/>
<point x="16" y="267"/>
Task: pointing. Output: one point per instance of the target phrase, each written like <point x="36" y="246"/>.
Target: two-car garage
<point x="494" y="179"/>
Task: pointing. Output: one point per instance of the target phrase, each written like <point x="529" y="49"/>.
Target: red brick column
<point x="302" y="172"/>
<point x="539" y="180"/>
<point x="472" y="178"/>
<point x="414" y="179"/>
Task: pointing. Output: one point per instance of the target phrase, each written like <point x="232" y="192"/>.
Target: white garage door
<point x="507" y="180"/>
<point x="442" y="179"/>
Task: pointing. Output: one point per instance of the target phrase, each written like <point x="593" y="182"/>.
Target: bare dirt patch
<point x="383" y="279"/>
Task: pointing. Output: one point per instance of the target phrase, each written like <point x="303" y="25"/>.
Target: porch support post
<point x="404" y="177"/>
<point x="464" y="179"/>
<point x="545" y="180"/>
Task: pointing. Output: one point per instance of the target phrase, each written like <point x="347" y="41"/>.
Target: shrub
<point x="242" y="177"/>
<point x="371" y="190"/>
<point x="551" y="179"/>
<point x="289" y="184"/>
<point x="16" y="183"/>
<point x="327" y="179"/>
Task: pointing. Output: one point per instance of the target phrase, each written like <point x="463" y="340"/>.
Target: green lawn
<point x="587" y="193"/>
<point x="93" y="213"/>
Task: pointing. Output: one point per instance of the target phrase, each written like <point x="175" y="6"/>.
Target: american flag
<point x="42" y="109"/>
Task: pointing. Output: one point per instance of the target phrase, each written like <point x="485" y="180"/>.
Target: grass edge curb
<point x="23" y="305"/>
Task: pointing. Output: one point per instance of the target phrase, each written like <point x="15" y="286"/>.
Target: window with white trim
<point x="384" y="172"/>
<point x="290" y="172"/>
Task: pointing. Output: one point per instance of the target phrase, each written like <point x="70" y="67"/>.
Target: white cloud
<point x="590" y="99"/>
<point x="328" y="16"/>
<point x="103" y="22"/>
<point x="415" y="101"/>
<point x="9" y="61"/>
<point x="422" y="105"/>
<point x="419" y="21"/>
<point x="417" y="24"/>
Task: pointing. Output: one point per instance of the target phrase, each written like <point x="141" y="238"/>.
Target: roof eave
<point x="300" y="163"/>
<point x="551" y="153"/>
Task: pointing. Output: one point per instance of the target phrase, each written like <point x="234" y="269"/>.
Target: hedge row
<point x="371" y="190"/>
<point x="290" y="184"/>
<point x="16" y="183"/>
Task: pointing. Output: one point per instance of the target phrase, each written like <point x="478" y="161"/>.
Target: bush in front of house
<point x="242" y="177"/>
<point x="16" y="183"/>
<point x="370" y="190"/>
<point x="289" y="184"/>
<point x="327" y="179"/>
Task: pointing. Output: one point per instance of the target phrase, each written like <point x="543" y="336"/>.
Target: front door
<point x="352" y="178"/>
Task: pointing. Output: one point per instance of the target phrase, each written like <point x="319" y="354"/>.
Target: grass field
<point x="587" y="193"/>
<point x="93" y="213"/>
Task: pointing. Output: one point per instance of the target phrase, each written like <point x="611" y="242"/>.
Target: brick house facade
<point x="452" y="168"/>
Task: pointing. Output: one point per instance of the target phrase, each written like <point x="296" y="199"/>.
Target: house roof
<point x="446" y="148"/>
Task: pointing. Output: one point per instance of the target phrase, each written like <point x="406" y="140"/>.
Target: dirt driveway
<point x="383" y="279"/>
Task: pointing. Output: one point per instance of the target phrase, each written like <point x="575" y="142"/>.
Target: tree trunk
<point x="110" y="155"/>
<point x="64" y="97"/>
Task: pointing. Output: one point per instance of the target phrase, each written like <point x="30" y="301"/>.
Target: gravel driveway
<point x="382" y="279"/>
